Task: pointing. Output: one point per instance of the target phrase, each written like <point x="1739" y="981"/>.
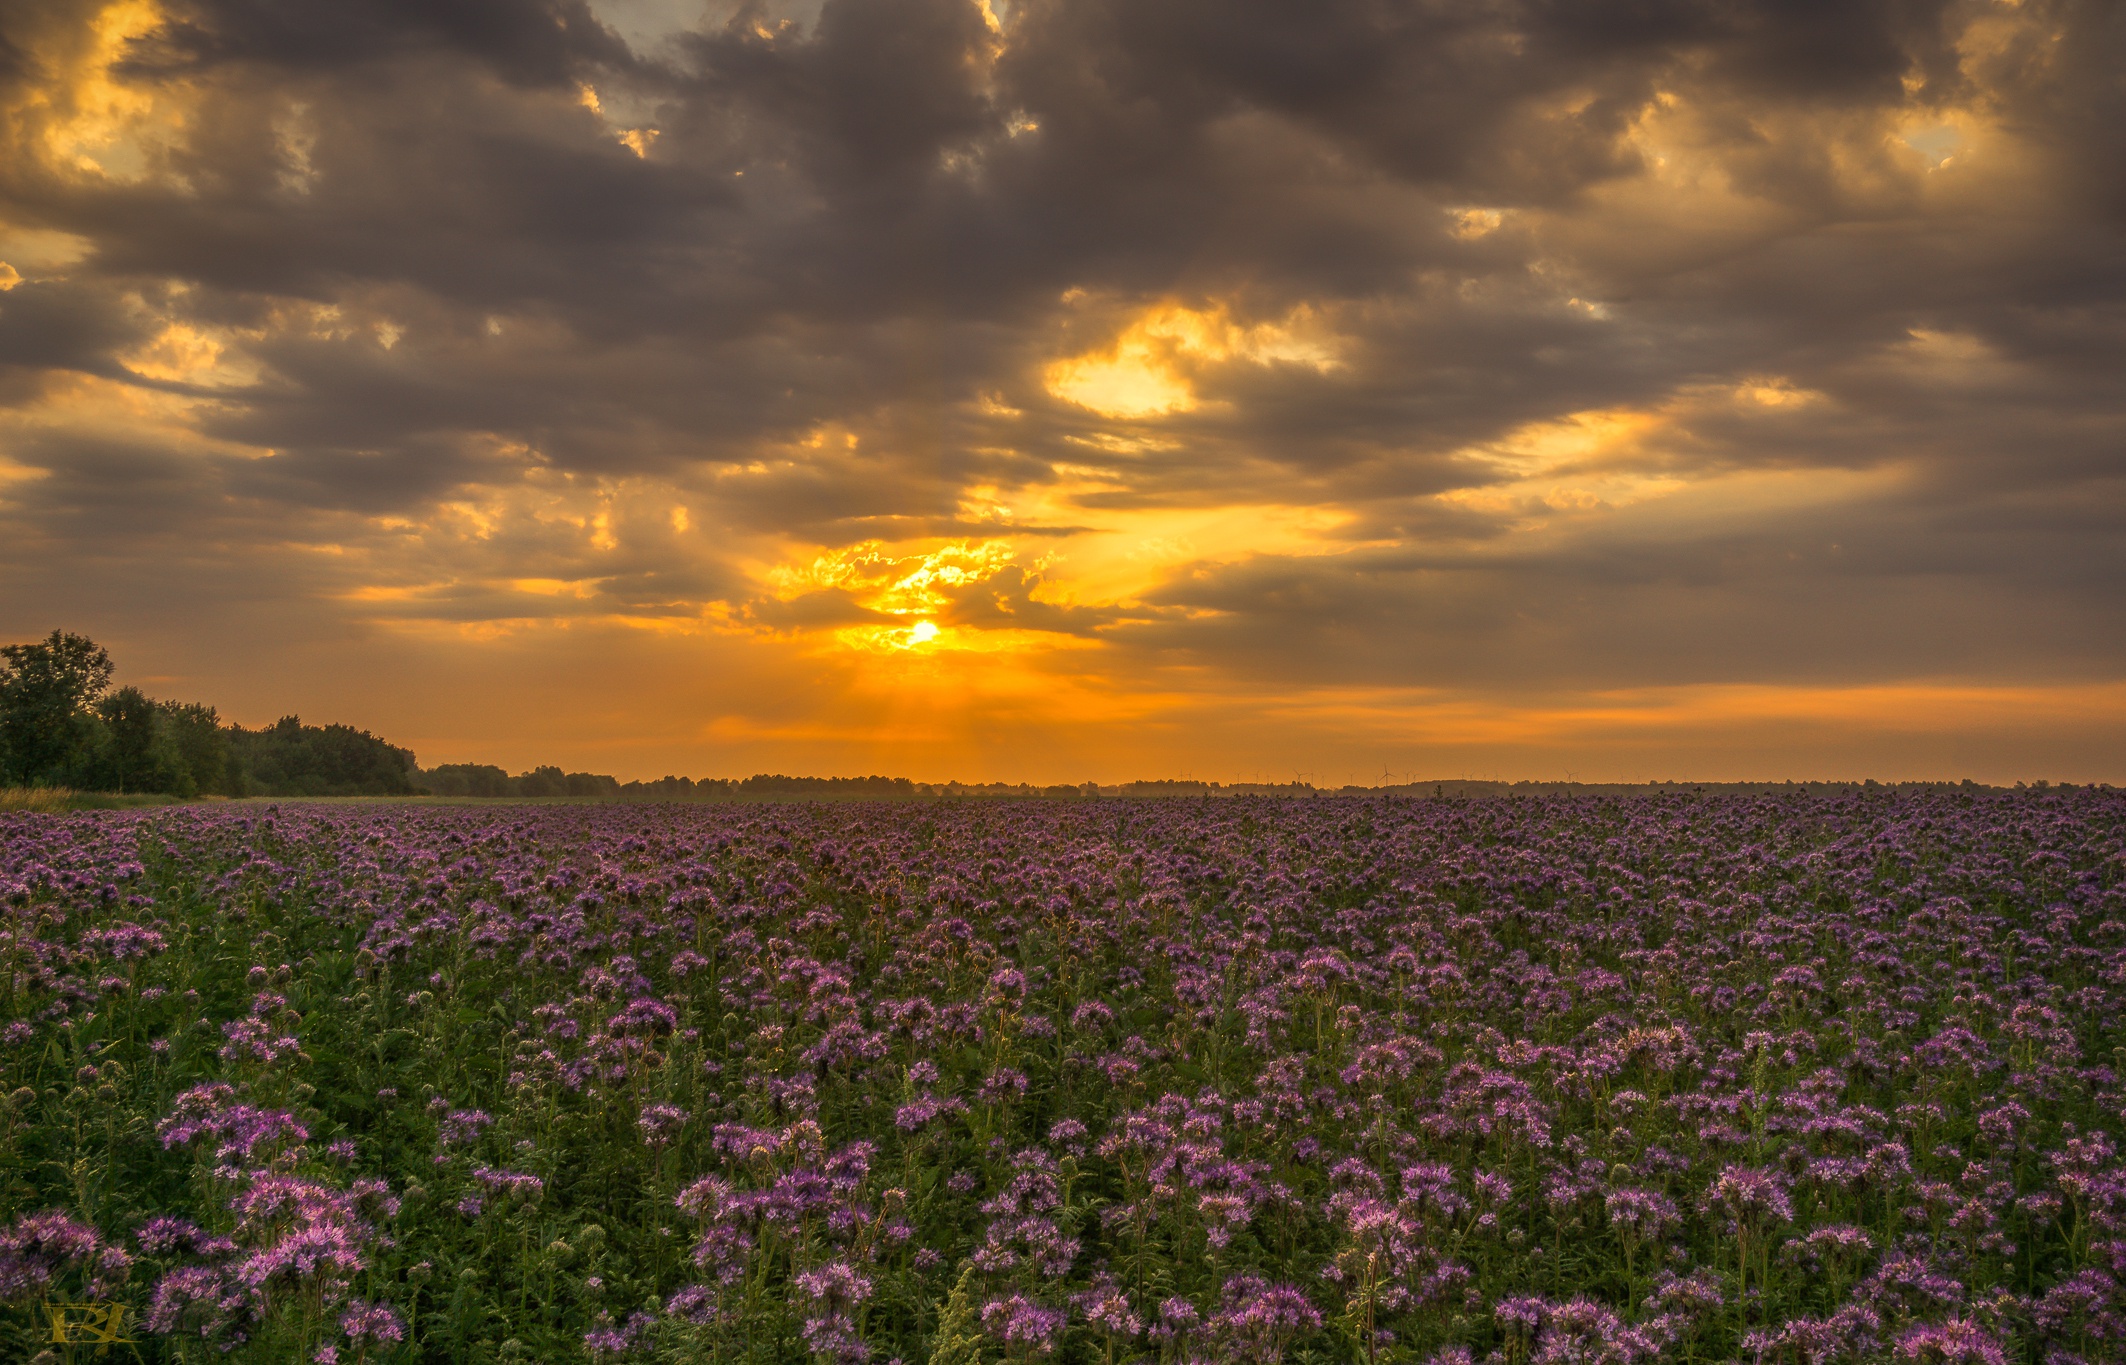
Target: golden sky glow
<point x="1147" y="371"/>
<point x="1003" y="392"/>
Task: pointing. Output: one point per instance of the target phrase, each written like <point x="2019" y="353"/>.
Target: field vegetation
<point x="1806" y="1078"/>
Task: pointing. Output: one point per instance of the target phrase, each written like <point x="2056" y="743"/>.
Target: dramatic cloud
<point x="1084" y="387"/>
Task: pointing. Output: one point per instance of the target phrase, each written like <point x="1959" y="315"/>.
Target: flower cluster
<point x="1801" y="1077"/>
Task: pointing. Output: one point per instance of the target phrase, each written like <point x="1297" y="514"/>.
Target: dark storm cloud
<point x="63" y="325"/>
<point x="540" y="42"/>
<point x="101" y="496"/>
<point x="821" y="303"/>
<point x="1895" y="583"/>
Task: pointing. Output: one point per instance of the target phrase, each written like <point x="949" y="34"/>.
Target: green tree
<point x="545" y="780"/>
<point x="199" y="748"/>
<point x="465" y="779"/>
<point x="289" y="758"/>
<point x="132" y="755"/>
<point x="46" y="692"/>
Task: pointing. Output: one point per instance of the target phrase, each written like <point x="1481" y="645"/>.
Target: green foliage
<point x="289" y="758"/>
<point x="47" y="727"/>
<point x="59" y="725"/>
<point x="959" y="1335"/>
<point x="467" y="779"/>
<point x="198" y="747"/>
<point x="551" y="781"/>
<point x="132" y="752"/>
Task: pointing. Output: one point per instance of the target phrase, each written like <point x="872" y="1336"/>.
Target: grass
<point x="66" y="798"/>
<point x="36" y="798"/>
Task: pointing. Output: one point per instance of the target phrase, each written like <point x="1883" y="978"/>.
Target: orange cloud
<point x="1148" y="370"/>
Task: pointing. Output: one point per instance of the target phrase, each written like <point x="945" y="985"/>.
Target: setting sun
<point x="1044" y="395"/>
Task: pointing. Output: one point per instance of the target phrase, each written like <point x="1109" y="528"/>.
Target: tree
<point x="465" y="779"/>
<point x="132" y="756"/>
<point x="545" y="780"/>
<point x="289" y="758"/>
<point x="200" y="748"/>
<point x="46" y="690"/>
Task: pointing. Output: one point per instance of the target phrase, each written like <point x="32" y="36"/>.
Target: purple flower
<point x="836" y="1286"/>
<point x="1020" y="1322"/>
<point x="1520" y="1316"/>
<point x="1107" y="1307"/>
<point x="37" y="1249"/>
<point x="201" y="1300"/>
<point x="162" y="1236"/>
<point x="1641" y="1213"/>
<point x="660" y="1123"/>
<point x="239" y="1132"/>
<point x="1751" y="1197"/>
<point x="1582" y="1332"/>
<point x="364" y="1322"/>
<point x="697" y="1303"/>
<point x="1955" y="1342"/>
<point x="326" y="1252"/>
<point x="1257" y="1319"/>
<point x="463" y="1126"/>
<point x="646" y="1017"/>
<point x="609" y="1342"/>
<point x="516" y="1186"/>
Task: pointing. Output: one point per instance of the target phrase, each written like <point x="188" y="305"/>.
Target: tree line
<point x="62" y="724"/>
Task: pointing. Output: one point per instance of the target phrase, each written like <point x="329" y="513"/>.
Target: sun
<point x="922" y="632"/>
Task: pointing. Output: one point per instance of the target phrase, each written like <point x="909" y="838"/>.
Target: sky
<point x="1066" y="390"/>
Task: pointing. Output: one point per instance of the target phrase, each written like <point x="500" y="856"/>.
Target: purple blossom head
<point x="1955" y="1342"/>
<point x="1257" y="1319"/>
<point x="1639" y="1213"/>
<point x="517" y="1187"/>
<point x="1581" y="1332"/>
<point x="835" y="1287"/>
<point x="1023" y="1325"/>
<point x="1177" y="1318"/>
<point x="696" y="1303"/>
<point x="41" y="1247"/>
<point x="607" y="1341"/>
<point x="326" y="1254"/>
<point x="1106" y="1306"/>
<point x="366" y="1322"/>
<point x="644" y="1017"/>
<point x="1751" y="1197"/>
<point x="206" y="1301"/>
<point x="660" y="1124"/>
<point x="1520" y="1316"/>
<point x="165" y="1236"/>
<point x="462" y="1126"/>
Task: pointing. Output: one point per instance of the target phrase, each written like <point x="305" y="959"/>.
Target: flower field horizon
<point x="1801" y="1078"/>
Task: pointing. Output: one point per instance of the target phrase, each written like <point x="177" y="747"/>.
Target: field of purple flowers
<point x="1531" y="1082"/>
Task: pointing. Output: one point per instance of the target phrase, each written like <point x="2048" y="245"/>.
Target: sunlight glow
<point x="1148" y="371"/>
<point x="96" y="122"/>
